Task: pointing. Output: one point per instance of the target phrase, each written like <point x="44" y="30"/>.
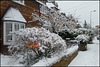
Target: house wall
<point x="26" y="10"/>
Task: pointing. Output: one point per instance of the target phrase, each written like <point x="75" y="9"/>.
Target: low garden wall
<point x="66" y="59"/>
<point x="61" y="59"/>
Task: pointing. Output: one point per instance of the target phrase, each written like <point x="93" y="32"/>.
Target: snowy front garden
<point x="55" y="41"/>
<point x="36" y="46"/>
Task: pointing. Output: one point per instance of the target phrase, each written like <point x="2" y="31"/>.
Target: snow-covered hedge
<point x="46" y="43"/>
<point x="84" y="31"/>
<point x="72" y="33"/>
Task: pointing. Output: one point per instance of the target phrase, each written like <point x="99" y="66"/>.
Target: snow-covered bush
<point x="84" y="31"/>
<point x="30" y="44"/>
<point x="68" y="34"/>
<point x="89" y="32"/>
<point x="72" y="33"/>
<point x="82" y="38"/>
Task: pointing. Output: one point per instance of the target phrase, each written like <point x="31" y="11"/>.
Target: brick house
<point x="18" y="14"/>
<point x="15" y="15"/>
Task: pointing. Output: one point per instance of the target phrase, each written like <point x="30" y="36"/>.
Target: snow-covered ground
<point x="9" y="61"/>
<point x="89" y="57"/>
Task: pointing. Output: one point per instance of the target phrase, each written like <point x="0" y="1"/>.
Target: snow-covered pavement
<point x="89" y="57"/>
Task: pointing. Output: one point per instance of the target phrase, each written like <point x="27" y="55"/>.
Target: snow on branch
<point x="55" y="21"/>
<point x="82" y="37"/>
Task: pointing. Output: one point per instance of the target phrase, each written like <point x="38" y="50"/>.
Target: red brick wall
<point x="3" y="7"/>
<point x="65" y="60"/>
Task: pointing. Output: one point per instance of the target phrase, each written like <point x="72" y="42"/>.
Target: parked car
<point x="98" y="37"/>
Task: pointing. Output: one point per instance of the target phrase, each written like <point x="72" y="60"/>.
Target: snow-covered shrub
<point x="82" y="38"/>
<point x="83" y="41"/>
<point x="31" y="44"/>
<point x="72" y="33"/>
<point x="84" y="31"/>
<point x="88" y="32"/>
<point x="68" y="34"/>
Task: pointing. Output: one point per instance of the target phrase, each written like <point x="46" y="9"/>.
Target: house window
<point x="9" y="27"/>
<point x="19" y="1"/>
<point x="16" y="27"/>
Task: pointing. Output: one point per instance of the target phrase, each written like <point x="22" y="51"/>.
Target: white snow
<point x="49" y="5"/>
<point x="14" y="14"/>
<point x="96" y="41"/>
<point x="8" y="61"/>
<point x="56" y="58"/>
<point x="82" y="37"/>
<point x="89" y="57"/>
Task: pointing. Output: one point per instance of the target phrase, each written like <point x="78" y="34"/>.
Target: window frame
<point x="13" y="29"/>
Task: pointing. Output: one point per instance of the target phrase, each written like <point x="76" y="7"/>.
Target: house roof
<point x="14" y="14"/>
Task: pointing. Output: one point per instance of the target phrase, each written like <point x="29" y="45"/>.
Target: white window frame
<point x="19" y="1"/>
<point x="13" y="29"/>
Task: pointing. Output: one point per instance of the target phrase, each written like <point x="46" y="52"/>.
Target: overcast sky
<point x="82" y="10"/>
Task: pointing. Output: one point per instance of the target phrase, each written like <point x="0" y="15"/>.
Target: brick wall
<point x="65" y="61"/>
